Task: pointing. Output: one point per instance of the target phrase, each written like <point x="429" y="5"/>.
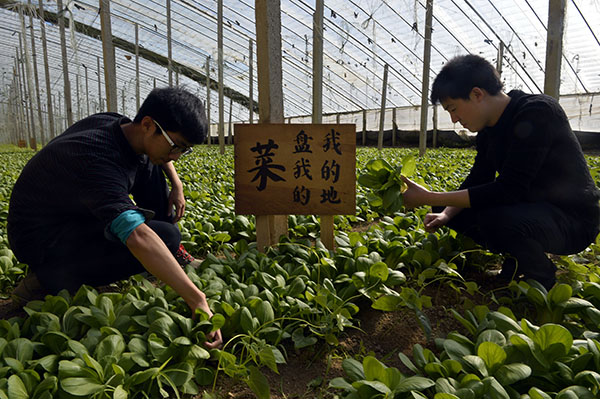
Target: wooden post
<point x="208" y="139"/>
<point x="169" y="48"/>
<point x="36" y="77"/>
<point x="100" y="104"/>
<point x="270" y="98"/>
<point x="108" y="51"/>
<point x="251" y="81"/>
<point x="27" y="112"/>
<point x="220" y="61"/>
<point x="28" y="78"/>
<point x="77" y="96"/>
<point x="137" y="67"/>
<point x="364" y="127"/>
<point x="435" y="123"/>
<point x="229" y="127"/>
<point x="425" y="87"/>
<point x="49" y="107"/>
<point x="124" y="112"/>
<point x="327" y="225"/>
<point x="65" y="63"/>
<point x="382" y="115"/>
<point x="87" y="92"/>
<point x="394" y="127"/>
<point x="556" y="28"/>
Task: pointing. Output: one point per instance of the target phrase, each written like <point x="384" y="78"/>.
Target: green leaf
<point x="477" y="364"/>
<point x="510" y="373"/>
<point x="379" y="270"/>
<point x="16" y="388"/>
<point x="409" y="165"/>
<point x="414" y="384"/>
<point x="535" y="393"/>
<point x="560" y="293"/>
<point x="267" y="357"/>
<point x="81" y="386"/>
<point x="387" y="303"/>
<point x="551" y="336"/>
<point x="300" y="341"/>
<point x="120" y="393"/>
<point x="340" y="383"/>
<point x="354" y="369"/>
<point x="492" y="354"/>
<point x="374" y="369"/>
<point x="258" y="383"/>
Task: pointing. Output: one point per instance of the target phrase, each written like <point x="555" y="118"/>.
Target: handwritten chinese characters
<point x="295" y="169"/>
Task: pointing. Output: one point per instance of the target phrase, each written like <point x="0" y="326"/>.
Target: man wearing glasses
<point x="72" y="218"/>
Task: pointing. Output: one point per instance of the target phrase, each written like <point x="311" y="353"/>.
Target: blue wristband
<point x="125" y="223"/>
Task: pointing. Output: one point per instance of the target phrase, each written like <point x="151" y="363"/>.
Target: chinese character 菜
<point x="265" y="167"/>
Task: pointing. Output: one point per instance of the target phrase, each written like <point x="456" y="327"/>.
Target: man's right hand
<point x="433" y="221"/>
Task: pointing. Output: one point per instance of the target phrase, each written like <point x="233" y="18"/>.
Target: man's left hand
<point x="177" y="200"/>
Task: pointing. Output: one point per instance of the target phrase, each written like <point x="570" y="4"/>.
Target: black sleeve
<point x="104" y="189"/>
<point x="530" y="139"/>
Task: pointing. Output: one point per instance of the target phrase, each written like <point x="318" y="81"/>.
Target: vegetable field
<point x="136" y="339"/>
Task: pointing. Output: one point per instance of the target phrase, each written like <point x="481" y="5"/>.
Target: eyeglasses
<point x="175" y="149"/>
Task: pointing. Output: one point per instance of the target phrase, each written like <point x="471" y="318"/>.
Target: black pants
<point x="83" y="254"/>
<point x="526" y="231"/>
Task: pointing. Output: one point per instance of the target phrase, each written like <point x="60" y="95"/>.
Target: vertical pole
<point x="77" y="96"/>
<point x="123" y="112"/>
<point x="556" y="27"/>
<point x="251" y="81"/>
<point x="36" y="77"/>
<point x="108" y="52"/>
<point x="270" y="98"/>
<point x="25" y="100"/>
<point x="137" y="67"/>
<point x="364" y="127"/>
<point x="317" y="87"/>
<point x="394" y="127"/>
<point x="21" y="100"/>
<point x="28" y="78"/>
<point x="220" y="61"/>
<point x="49" y="107"/>
<point x="425" y="87"/>
<point x="169" y="48"/>
<point x="208" y="139"/>
<point x="229" y="133"/>
<point x="87" y="93"/>
<point x="327" y="225"/>
<point x="500" y="57"/>
<point x="435" y="124"/>
<point x="100" y="104"/>
<point x="65" y="62"/>
<point x="382" y="114"/>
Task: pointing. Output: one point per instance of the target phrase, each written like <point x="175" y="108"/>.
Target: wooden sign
<point x="302" y="169"/>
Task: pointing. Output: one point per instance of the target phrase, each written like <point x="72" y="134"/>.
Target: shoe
<point x="184" y="258"/>
<point x="29" y="289"/>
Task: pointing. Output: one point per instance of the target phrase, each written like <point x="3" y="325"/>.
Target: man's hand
<point x="415" y="194"/>
<point x="177" y="200"/>
<point x="433" y="221"/>
<point x="215" y="339"/>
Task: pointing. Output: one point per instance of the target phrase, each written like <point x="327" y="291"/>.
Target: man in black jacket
<point x="71" y="217"/>
<point x="529" y="191"/>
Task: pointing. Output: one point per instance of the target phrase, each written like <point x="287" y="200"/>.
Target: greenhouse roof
<point x="360" y="37"/>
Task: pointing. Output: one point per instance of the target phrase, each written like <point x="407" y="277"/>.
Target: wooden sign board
<point x="300" y="169"/>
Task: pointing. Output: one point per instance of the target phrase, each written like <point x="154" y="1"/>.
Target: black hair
<point x="461" y="74"/>
<point x="176" y="110"/>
